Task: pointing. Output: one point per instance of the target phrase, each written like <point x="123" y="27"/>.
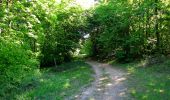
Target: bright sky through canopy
<point x="86" y="4"/>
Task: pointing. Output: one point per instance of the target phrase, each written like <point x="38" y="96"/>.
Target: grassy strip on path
<point x="55" y="85"/>
<point x="151" y="82"/>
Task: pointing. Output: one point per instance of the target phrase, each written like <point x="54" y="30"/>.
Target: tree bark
<point x="157" y="26"/>
<point x="147" y="23"/>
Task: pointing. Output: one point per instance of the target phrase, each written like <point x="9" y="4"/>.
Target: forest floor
<point x="109" y="84"/>
<point x="53" y="84"/>
<point x="147" y="82"/>
<point x="97" y="81"/>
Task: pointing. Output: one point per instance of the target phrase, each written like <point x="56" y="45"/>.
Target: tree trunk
<point x="147" y="23"/>
<point x="157" y="26"/>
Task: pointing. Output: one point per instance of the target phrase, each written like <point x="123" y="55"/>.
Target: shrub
<point x="15" y="65"/>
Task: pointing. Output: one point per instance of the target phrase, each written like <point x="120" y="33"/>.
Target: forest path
<point x="109" y="84"/>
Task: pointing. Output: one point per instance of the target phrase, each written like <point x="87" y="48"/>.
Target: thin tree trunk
<point x="147" y="23"/>
<point x="7" y="3"/>
<point x="55" y="63"/>
<point x="157" y="26"/>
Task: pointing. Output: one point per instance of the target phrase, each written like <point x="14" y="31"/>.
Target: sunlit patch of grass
<point x="55" y="85"/>
<point x="131" y="70"/>
<point x="149" y="82"/>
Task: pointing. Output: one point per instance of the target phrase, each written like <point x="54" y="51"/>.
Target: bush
<point x="62" y="40"/>
<point x="15" y="65"/>
<point x="86" y="48"/>
<point x="109" y="27"/>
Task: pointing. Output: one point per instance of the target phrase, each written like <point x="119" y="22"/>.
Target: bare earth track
<point x="109" y="84"/>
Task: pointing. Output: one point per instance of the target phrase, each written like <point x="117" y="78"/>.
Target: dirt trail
<point x="109" y="84"/>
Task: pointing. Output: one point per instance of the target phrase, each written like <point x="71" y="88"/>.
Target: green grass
<point x="54" y="85"/>
<point x="151" y="82"/>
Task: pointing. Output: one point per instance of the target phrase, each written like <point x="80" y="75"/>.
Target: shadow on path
<point x="109" y="84"/>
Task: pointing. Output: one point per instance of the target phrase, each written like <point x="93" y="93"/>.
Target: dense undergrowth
<point x="45" y="33"/>
<point x="129" y="29"/>
<point x="33" y="34"/>
<point x="15" y="65"/>
<point x="53" y="84"/>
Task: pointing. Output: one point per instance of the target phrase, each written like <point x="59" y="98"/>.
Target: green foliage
<point x="15" y="64"/>
<point x="129" y="29"/>
<point x="61" y="41"/>
<point x="20" y="36"/>
<point x="111" y="31"/>
<point x="86" y="49"/>
<point x="45" y="33"/>
<point x="34" y="32"/>
<point x="49" y="83"/>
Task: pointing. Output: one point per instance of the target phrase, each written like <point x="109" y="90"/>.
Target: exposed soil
<point x="109" y="84"/>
